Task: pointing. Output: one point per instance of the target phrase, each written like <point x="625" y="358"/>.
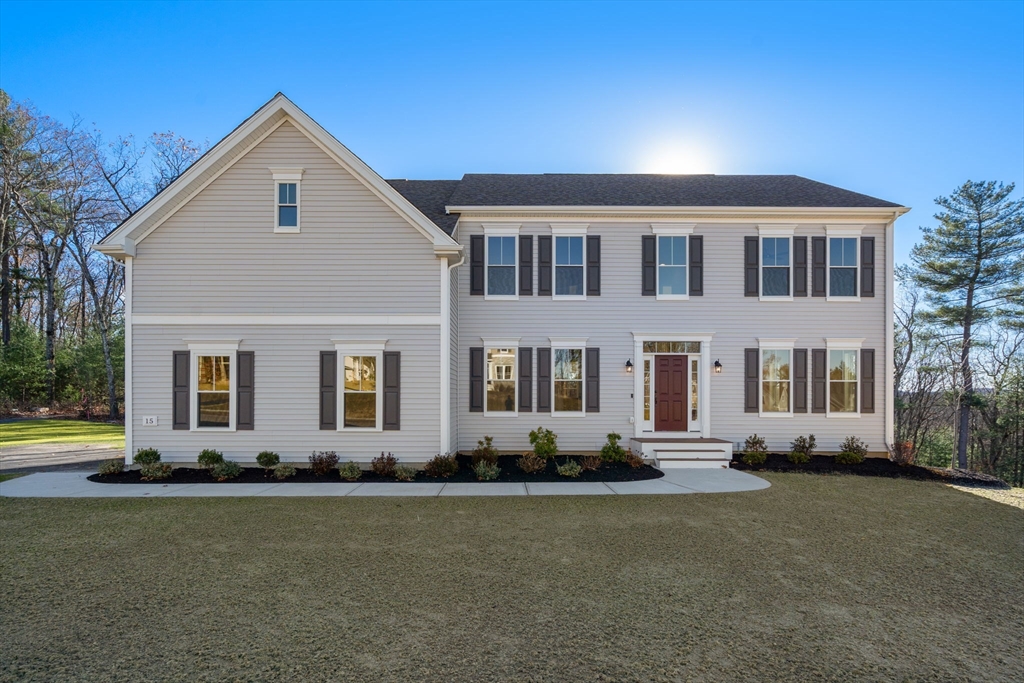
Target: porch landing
<point x="677" y="452"/>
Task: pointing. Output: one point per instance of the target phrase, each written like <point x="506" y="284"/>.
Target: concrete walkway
<point x="675" y="481"/>
<point x="55" y="454"/>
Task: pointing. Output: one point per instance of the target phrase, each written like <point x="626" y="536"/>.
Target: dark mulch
<point x="871" y="467"/>
<point x="510" y="472"/>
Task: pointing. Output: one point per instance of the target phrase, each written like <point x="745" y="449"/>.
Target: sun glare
<point x="676" y="156"/>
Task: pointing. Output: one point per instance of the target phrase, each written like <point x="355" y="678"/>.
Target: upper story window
<point x="842" y="266"/>
<point x="672" y="265"/>
<point x="501" y="265"/>
<point x="775" y="266"/>
<point x="501" y="381"/>
<point x="286" y="197"/>
<point x="569" y="266"/>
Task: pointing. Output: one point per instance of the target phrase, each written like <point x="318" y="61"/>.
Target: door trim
<point x="706" y="358"/>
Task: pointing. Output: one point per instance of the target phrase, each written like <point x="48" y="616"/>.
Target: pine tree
<point x="971" y="267"/>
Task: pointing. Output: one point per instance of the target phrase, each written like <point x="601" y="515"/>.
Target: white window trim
<point x="352" y="347"/>
<point x="503" y="343"/>
<point x="842" y="231"/>
<point x="570" y="343"/>
<point x="212" y="347"/>
<point x="646" y="428"/>
<point x="288" y="175"/>
<point x="671" y="230"/>
<point x="774" y="231"/>
<point x="766" y="344"/>
<point x="841" y="344"/>
<point x="567" y="230"/>
<point x="500" y="230"/>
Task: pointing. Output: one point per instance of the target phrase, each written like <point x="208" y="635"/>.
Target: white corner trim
<point x="568" y="342"/>
<point x="569" y="228"/>
<point x="843" y="342"/>
<point x="287" y="174"/>
<point x="500" y="342"/>
<point x="781" y="343"/>
<point x="207" y="344"/>
<point x="129" y="427"/>
<point x="775" y="230"/>
<point x="673" y="228"/>
<point x="501" y="228"/>
<point x="844" y="230"/>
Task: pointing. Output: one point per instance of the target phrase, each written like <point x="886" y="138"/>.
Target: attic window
<point x="286" y="198"/>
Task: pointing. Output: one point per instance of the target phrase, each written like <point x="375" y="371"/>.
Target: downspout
<point x="890" y="334"/>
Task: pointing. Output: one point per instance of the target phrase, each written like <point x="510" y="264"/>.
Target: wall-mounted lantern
<point x="718" y="367"/>
<point x="629" y="365"/>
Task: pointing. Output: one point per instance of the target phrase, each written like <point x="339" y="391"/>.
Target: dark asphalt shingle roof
<point x="430" y="197"/>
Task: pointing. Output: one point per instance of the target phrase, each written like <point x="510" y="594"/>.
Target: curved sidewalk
<point x="675" y="481"/>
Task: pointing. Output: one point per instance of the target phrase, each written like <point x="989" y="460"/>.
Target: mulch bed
<point x="871" y="467"/>
<point x="510" y="472"/>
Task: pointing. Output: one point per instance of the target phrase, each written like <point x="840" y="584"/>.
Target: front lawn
<point x="815" y="578"/>
<point x="47" y="431"/>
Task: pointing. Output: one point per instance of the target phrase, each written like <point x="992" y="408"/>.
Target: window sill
<point x="764" y="297"/>
<point x="842" y="298"/>
<point x="501" y="297"/>
<point x="360" y="429"/>
<point x="569" y="297"/>
<point x="500" y="414"/>
<point x="672" y="297"/>
<point x="843" y="415"/>
<point x="293" y="230"/>
<point x="212" y="429"/>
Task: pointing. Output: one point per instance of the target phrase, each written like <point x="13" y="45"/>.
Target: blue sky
<point x="900" y="101"/>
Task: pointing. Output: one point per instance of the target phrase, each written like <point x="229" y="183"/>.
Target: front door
<point x="670" y="393"/>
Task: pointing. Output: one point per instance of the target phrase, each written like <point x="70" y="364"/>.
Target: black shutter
<point x="818" y="265"/>
<point x="544" y="265"/>
<point x="593" y="265"/>
<point x="181" y="371"/>
<point x="799" y="266"/>
<point x="593" y="379"/>
<point x="867" y="380"/>
<point x="476" y="379"/>
<point x="867" y="266"/>
<point x="476" y="264"/>
<point x="328" y="390"/>
<point x="750" y="402"/>
<point x="525" y="380"/>
<point x="245" y="397"/>
<point x="819" y="379"/>
<point x="649" y="283"/>
<point x="392" y="390"/>
<point x="544" y="380"/>
<point x="800" y="380"/>
<point x="696" y="265"/>
<point x="525" y="265"/>
<point x="750" y="262"/>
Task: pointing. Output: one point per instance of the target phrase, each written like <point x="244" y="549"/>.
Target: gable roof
<point x="646" y="189"/>
<point x="221" y="156"/>
<point x="430" y="197"/>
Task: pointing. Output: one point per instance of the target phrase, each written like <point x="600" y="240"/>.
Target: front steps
<point x="683" y="452"/>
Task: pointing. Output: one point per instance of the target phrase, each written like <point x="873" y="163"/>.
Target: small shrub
<point x="284" y="471"/>
<point x="209" y="458"/>
<point x="441" y="466"/>
<point x="147" y="456"/>
<point x="634" y="460"/>
<point x="848" y="458"/>
<point x="544" y="442"/>
<point x="405" y="473"/>
<point x="108" y="467"/>
<point x="570" y="468"/>
<point x="155" y="470"/>
<point x="322" y="462"/>
<point x="485" y="451"/>
<point x="531" y="463"/>
<point x="754" y="458"/>
<point x="228" y="469"/>
<point x="612" y="451"/>
<point x="350" y="471"/>
<point x="592" y="462"/>
<point x="803" y="448"/>
<point x="902" y="453"/>
<point x="755" y="444"/>
<point x="486" y="471"/>
<point x="268" y="460"/>
<point x="384" y="465"/>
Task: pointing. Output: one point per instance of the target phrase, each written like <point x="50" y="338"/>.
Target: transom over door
<point x="670" y="374"/>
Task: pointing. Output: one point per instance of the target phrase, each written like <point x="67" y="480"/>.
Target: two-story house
<point x="280" y="295"/>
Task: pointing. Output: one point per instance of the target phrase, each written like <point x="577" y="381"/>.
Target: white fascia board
<point x="672" y="213"/>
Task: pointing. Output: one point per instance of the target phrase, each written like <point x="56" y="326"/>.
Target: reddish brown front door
<point x="670" y="393"/>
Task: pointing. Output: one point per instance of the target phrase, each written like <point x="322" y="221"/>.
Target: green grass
<point x="33" y="432"/>
<point x="9" y="476"/>
<point x="816" y="578"/>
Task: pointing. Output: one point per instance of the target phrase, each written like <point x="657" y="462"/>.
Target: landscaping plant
<point x="612" y="451"/>
<point x="208" y="458"/>
<point x="405" y="473"/>
<point x="531" y="464"/>
<point x="634" y="460"/>
<point x="384" y="465"/>
<point x="803" y="448"/>
<point x="902" y="453"/>
<point x="570" y="468"/>
<point x="284" y="470"/>
<point x="268" y="460"/>
<point x="322" y="462"/>
<point x="108" y="467"/>
<point x="544" y="442"/>
<point x="350" y="471"/>
<point x="486" y="471"/>
<point x="852" y="451"/>
<point x="227" y="469"/>
<point x="147" y="456"/>
<point x="592" y="462"/>
<point x="441" y="466"/>
<point x="155" y="470"/>
<point x="485" y="451"/>
<point x="755" y="451"/>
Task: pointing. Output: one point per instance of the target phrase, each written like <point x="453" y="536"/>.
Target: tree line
<point x="959" y="356"/>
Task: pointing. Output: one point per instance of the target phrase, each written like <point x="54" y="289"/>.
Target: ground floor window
<point x="775" y="380"/>
<point x="213" y="391"/>
<point x="501" y="380"/>
<point x="568" y="380"/>
<point x="360" y="395"/>
<point x="842" y="380"/>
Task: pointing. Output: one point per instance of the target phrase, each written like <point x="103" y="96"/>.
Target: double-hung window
<point x="567" y="380"/>
<point x="212" y="385"/>
<point x="501" y="381"/>
<point x="501" y="265"/>
<point x="569" y="276"/>
<point x="286" y="198"/>
<point x="842" y="381"/>
<point x="361" y="400"/>
<point x="842" y="266"/>
<point x="672" y="266"/>
<point x="776" y="381"/>
<point x="775" y="267"/>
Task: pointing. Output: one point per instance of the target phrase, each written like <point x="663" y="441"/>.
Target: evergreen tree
<point x="971" y="267"/>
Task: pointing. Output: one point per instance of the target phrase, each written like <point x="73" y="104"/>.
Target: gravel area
<point x="816" y="578"/>
<point x="1014" y="497"/>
